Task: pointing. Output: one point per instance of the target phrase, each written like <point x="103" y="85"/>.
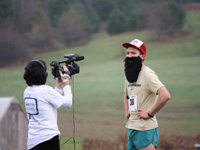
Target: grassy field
<point x="98" y="89"/>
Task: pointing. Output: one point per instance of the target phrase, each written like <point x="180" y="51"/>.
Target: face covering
<point x="133" y="66"/>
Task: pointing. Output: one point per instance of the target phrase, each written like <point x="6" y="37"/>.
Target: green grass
<point x="98" y="89"/>
<point x="69" y="145"/>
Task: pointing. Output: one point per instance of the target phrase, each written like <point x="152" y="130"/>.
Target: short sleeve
<point x="153" y="82"/>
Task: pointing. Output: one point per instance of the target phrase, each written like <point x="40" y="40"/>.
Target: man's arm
<point x="126" y="109"/>
<point x="163" y="98"/>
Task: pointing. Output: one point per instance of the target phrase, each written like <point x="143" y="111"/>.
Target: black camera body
<point x="71" y="65"/>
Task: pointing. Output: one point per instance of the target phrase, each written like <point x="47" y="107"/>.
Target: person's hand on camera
<point x="65" y="77"/>
<point x="127" y="114"/>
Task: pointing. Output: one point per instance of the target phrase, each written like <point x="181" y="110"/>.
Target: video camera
<point x="71" y="65"/>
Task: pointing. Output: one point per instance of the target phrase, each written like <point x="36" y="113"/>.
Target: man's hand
<point x="64" y="78"/>
<point x="126" y="109"/>
<point x="127" y="114"/>
<point x="143" y="114"/>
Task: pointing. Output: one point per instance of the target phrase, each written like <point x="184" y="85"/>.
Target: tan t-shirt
<point x="143" y="96"/>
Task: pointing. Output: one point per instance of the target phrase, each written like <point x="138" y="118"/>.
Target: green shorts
<point x="141" y="139"/>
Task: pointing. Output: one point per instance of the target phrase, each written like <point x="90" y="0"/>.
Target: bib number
<point x="132" y="102"/>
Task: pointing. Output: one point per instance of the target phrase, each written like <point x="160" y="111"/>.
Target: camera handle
<point x="63" y="71"/>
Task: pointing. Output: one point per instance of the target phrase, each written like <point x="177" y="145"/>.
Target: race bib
<point x="132" y="102"/>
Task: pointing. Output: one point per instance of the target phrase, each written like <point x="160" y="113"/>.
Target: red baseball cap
<point x="138" y="44"/>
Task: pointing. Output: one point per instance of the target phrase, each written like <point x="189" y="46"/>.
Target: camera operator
<point x="41" y="103"/>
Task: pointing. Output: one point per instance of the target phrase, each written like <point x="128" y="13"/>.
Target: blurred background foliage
<point x="35" y="26"/>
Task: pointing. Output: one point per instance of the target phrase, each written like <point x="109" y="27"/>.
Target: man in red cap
<point x="144" y="96"/>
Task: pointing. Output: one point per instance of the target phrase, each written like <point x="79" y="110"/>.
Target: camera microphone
<point x="78" y="58"/>
<point x="74" y="57"/>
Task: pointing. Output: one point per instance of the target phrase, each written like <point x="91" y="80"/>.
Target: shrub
<point x="133" y="20"/>
<point x="6" y="9"/>
<point x="117" y="22"/>
<point x="103" y="8"/>
<point x="90" y="17"/>
<point x="55" y="8"/>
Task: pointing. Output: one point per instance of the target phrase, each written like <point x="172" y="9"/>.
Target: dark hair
<point x="35" y="73"/>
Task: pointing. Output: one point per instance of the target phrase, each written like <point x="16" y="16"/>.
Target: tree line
<point x="32" y="26"/>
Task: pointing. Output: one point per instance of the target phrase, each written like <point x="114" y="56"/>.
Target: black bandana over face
<point x="133" y="66"/>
